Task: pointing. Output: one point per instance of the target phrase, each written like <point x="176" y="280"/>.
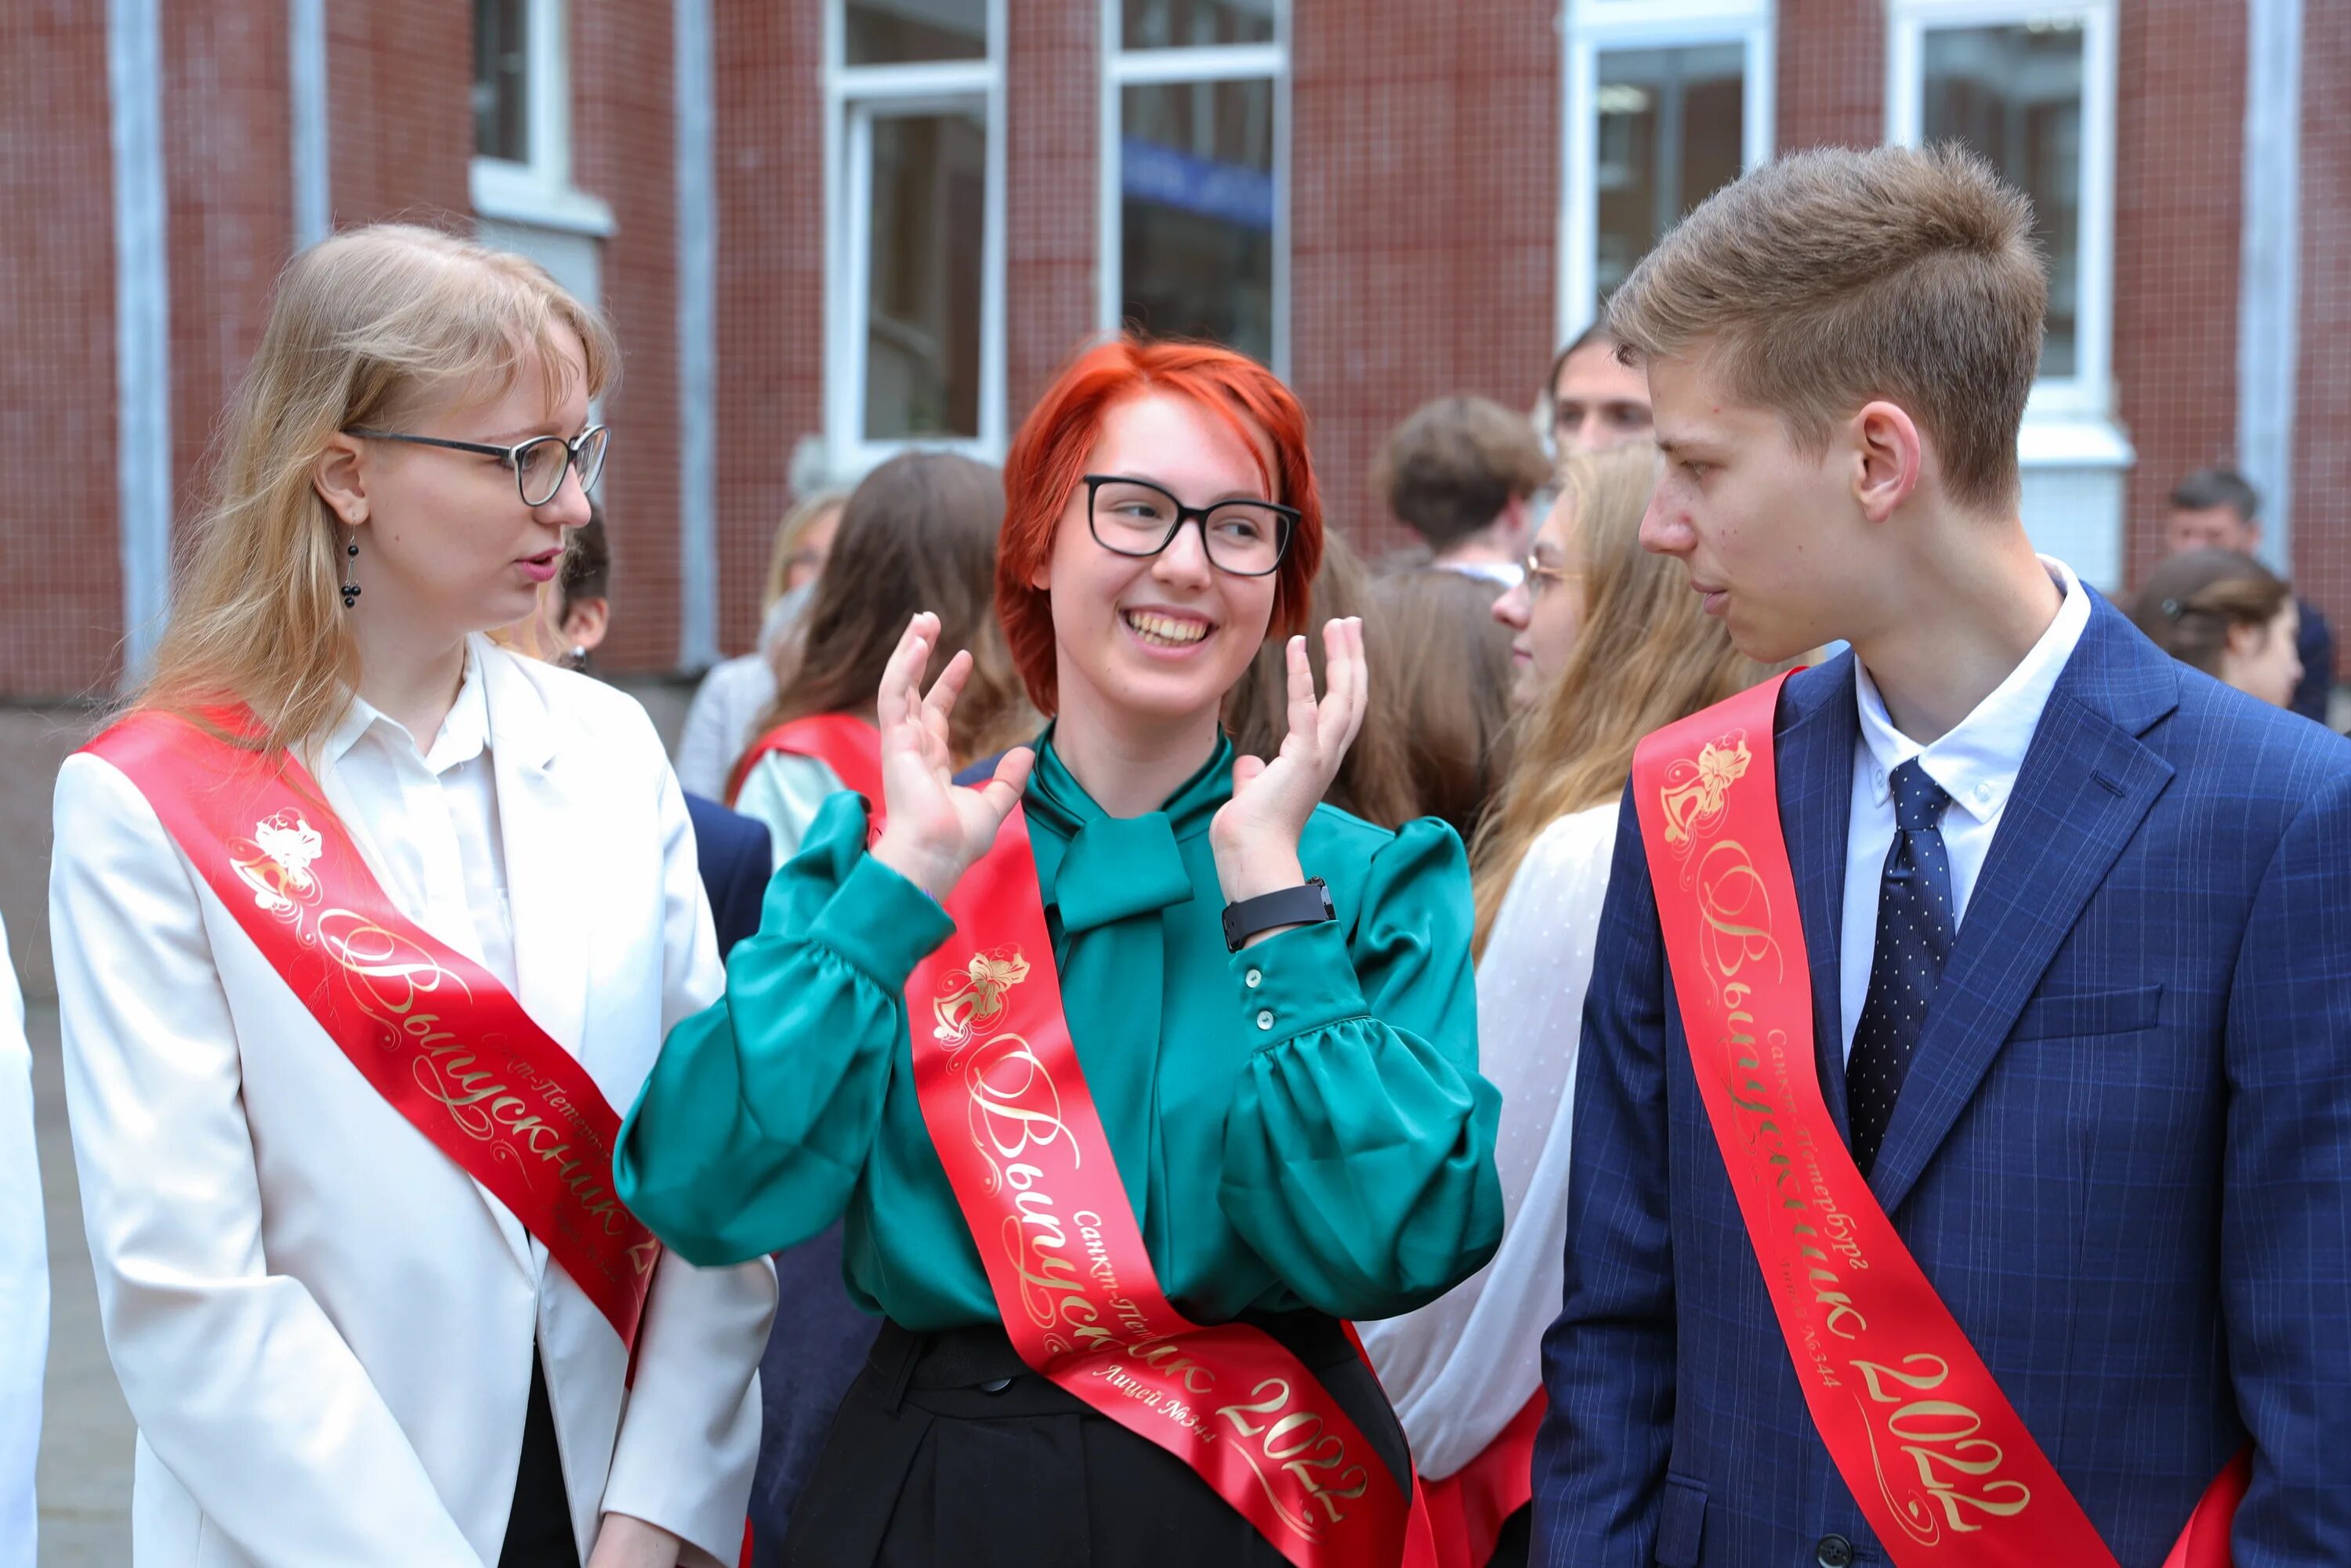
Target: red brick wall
<point x="623" y="149"/>
<point x="770" y="179"/>
<point x="1053" y="101"/>
<point x="2322" y="497"/>
<point x="1424" y="194"/>
<point x="2178" y="218"/>
<point x="400" y="138"/>
<point x="60" y="583"/>
<point x="1831" y="83"/>
<point x="229" y="183"/>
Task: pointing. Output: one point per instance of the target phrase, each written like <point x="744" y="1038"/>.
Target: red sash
<point x="850" y="747"/>
<point x="432" y="1030"/>
<point x="1943" y="1468"/>
<point x="1006" y="1106"/>
<point x="1468" y="1509"/>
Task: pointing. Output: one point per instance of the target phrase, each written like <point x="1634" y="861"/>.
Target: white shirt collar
<point x="464" y="734"/>
<point x="1977" y="761"/>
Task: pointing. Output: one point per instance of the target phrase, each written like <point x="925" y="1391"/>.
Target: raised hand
<point x="1255" y="835"/>
<point x="935" y="828"/>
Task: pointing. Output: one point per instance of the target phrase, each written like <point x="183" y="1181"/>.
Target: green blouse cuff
<point x="880" y="924"/>
<point x="1295" y="982"/>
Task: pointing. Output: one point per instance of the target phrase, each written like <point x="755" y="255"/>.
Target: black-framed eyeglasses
<point x="537" y="464"/>
<point x="1137" y="517"/>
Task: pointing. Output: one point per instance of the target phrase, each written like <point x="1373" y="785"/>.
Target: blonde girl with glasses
<point x="364" y="927"/>
<point x="1613" y="644"/>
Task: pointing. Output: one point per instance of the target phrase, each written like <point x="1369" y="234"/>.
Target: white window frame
<point x="853" y="96"/>
<point x="1124" y="67"/>
<point x="1597" y="26"/>
<point x="539" y="192"/>
<point x="2068" y="420"/>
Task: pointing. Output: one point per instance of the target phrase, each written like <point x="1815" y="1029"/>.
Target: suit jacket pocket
<point x="2075" y="1015"/>
<point x="1681" y="1522"/>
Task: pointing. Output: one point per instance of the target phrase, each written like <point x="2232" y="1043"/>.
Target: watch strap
<point x="1304" y="904"/>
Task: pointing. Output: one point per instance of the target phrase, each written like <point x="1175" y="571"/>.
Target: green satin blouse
<point x="1299" y="1124"/>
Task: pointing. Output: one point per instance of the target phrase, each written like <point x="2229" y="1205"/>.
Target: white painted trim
<point x="514" y="193"/>
<point x="143" y="338"/>
<point x="305" y="73"/>
<point x="2088" y="393"/>
<point x="694" y="96"/>
<point x="2057" y="442"/>
<point x="2269" y="282"/>
<point x="853" y="95"/>
<point x="1225" y="62"/>
<point x="1597" y="26"/>
<point x="1123" y="68"/>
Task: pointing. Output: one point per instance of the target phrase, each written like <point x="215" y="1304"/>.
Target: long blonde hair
<point x="1645" y="655"/>
<point x="363" y="329"/>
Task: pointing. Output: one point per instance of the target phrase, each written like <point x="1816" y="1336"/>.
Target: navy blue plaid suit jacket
<point x="2122" y="1154"/>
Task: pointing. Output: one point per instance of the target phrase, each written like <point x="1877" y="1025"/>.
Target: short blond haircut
<point x="1834" y="276"/>
<point x="1450" y="468"/>
<point x="364" y="329"/>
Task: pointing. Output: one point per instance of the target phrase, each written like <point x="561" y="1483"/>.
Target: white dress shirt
<point x="1975" y="762"/>
<point x="1459" y="1368"/>
<point x="24" y="1279"/>
<point x="446" y="860"/>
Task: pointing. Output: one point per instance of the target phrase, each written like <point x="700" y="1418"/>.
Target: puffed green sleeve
<point x="1359" y="1147"/>
<point x="757" y="1119"/>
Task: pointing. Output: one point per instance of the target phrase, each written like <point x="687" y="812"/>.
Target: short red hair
<point x="1048" y="459"/>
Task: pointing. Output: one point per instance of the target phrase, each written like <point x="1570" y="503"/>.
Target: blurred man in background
<point x="2215" y="508"/>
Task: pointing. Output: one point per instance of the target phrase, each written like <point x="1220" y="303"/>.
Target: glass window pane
<point x="2014" y="94"/>
<point x="1197" y="211"/>
<point x="1179" y="24"/>
<point x="1672" y="130"/>
<point x="893" y="32"/>
<point x="502" y="79"/>
<point x="921" y="329"/>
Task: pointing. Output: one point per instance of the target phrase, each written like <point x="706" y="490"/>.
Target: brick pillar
<point x="771" y="197"/>
<point x="229" y="184"/>
<point x="60" y="581"/>
<point x="2322" y="496"/>
<point x="1053" y="75"/>
<point x="623" y="149"/>
<point x="1832" y="73"/>
<point x="1424" y="195"/>
<point x="2178" y="219"/>
<point x="399" y="117"/>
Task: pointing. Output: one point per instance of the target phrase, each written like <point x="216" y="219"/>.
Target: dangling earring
<point x="350" y="588"/>
<point x="579" y="656"/>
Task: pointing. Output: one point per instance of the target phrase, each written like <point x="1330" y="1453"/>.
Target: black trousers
<point x="539" y="1526"/>
<point x="949" y="1450"/>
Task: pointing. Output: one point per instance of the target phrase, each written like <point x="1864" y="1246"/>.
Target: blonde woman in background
<point x="366" y="1287"/>
<point x="727" y="705"/>
<point x="1610" y="644"/>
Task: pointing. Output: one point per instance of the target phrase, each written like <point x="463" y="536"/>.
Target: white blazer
<point x="24" y="1279"/>
<point x="321" y="1324"/>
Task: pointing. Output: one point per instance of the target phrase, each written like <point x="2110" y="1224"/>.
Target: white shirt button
<point x="1264" y="1019"/>
<point x="1983" y="791"/>
<point x="1252" y="978"/>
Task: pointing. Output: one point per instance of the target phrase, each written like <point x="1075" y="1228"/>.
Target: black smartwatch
<point x="1301" y="905"/>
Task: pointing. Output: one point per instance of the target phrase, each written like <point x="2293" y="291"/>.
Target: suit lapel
<point x="1814" y="756"/>
<point x="2086" y="784"/>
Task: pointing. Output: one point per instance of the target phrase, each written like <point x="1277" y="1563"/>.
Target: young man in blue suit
<point x="2078" y="925"/>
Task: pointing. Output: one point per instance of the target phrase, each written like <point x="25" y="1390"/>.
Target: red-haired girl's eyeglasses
<point x="1133" y="517"/>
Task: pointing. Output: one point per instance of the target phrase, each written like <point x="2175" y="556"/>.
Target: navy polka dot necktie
<point x="1914" y="923"/>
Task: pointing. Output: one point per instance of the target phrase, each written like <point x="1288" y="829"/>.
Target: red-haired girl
<point x="1135" y="1067"/>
